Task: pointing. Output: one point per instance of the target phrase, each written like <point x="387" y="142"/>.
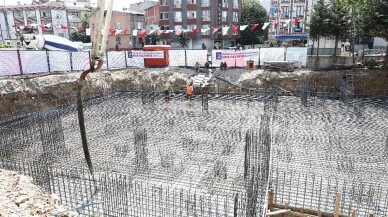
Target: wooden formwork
<point x="279" y="210"/>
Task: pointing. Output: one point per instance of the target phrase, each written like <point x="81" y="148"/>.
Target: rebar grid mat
<point x="340" y="146"/>
<point x="184" y="146"/>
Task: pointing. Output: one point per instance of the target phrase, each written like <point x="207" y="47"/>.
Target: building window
<point x="192" y="14"/>
<point x="224" y="15"/>
<point x="75" y="14"/>
<point x="191" y="2"/>
<point x="118" y="40"/>
<point x="163" y="2"/>
<point x="177" y="16"/>
<point x="44" y="13"/>
<point x="177" y="4"/>
<point x="235" y="4"/>
<point x="299" y="11"/>
<point x="205" y="3"/>
<point x="205" y="15"/>
<point x="164" y="27"/>
<point x="191" y="26"/>
<point x="177" y="27"/>
<point x="235" y="17"/>
<point x="285" y="10"/>
<point x="224" y="3"/>
<point x="207" y="32"/>
<point x="164" y="15"/>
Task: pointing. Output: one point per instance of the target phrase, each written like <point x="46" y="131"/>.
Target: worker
<point x="190" y="81"/>
<point x="197" y="67"/>
<point x="166" y="89"/>
<point x="189" y="92"/>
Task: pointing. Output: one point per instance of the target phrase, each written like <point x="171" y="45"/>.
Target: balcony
<point x="299" y="1"/>
<point x="285" y="2"/>
<point x="177" y="19"/>
<point x="274" y="2"/>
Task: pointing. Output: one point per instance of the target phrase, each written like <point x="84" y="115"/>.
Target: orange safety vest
<point x="190" y="90"/>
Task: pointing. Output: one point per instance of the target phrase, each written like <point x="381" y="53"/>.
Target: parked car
<point x="372" y="52"/>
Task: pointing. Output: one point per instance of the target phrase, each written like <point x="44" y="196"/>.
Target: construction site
<point x="123" y="133"/>
<point x="221" y="155"/>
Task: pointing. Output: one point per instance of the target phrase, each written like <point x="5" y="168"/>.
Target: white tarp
<point x="80" y="60"/>
<point x="59" y="61"/>
<point x="116" y="59"/>
<point x="298" y="54"/>
<point x="177" y="57"/>
<point x="272" y="54"/>
<point x="9" y="63"/>
<point x="194" y="56"/>
<point x="34" y="61"/>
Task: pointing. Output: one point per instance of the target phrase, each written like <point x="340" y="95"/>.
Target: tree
<point x="183" y="39"/>
<point x="339" y="23"/>
<point x="319" y="24"/>
<point x="152" y="39"/>
<point x="80" y="33"/>
<point x="380" y="17"/>
<point x="252" y="13"/>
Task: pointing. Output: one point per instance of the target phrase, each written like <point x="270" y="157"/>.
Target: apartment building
<point x="205" y="15"/>
<point x="123" y="30"/>
<point x="47" y="18"/>
<point x="152" y="17"/>
<point x="289" y="19"/>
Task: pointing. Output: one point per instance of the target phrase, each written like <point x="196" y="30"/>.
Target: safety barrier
<point x="19" y="62"/>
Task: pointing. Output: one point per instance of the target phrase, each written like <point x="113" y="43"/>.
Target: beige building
<point x="121" y="30"/>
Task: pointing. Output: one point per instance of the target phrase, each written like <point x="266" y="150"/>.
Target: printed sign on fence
<point x="236" y="54"/>
<point x="145" y="54"/>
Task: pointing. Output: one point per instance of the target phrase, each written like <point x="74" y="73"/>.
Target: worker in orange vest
<point x="189" y="92"/>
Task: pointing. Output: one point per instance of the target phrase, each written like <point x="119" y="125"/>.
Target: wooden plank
<point x="337" y="205"/>
<point x="278" y="212"/>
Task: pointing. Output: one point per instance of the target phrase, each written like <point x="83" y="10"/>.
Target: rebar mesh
<point x="183" y="160"/>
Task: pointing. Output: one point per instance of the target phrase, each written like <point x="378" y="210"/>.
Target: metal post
<point x="126" y="60"/>
<point x="20" y="62"/>
<point x="48" y="61"/>
<point x="71" y="60"/>
<point x="107" y="62"/>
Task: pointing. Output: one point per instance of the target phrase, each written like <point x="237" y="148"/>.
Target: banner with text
<point x="145" y="54"/>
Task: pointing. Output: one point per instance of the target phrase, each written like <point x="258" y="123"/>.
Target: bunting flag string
<point x="214" y="30"/>
<point x="235" y="28"/>
<point x="254" y="26"/>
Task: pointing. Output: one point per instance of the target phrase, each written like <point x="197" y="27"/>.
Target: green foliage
<point x="319" y="25"/>
<point x="372" y="64"/>
<point x="5" y="46"/>
<point x="183" y="39"/>
<point x="80" y="35"/>
<point x="339" y="20"/>
<point x="252" y="13"/>
<point x="152" y="39"/>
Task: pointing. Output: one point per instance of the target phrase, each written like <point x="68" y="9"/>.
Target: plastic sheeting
<point x="116" y="59"/>
<point x="194" y="56"/>
<point x="59" y="61"/>
<point x="298" y="54"/>
<point x="177" y="57"/>
<point x="34" y="61"/>
<point x="9" y="63"/>
<point x="272" y="54"/>
<point x="80" y="61"/>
